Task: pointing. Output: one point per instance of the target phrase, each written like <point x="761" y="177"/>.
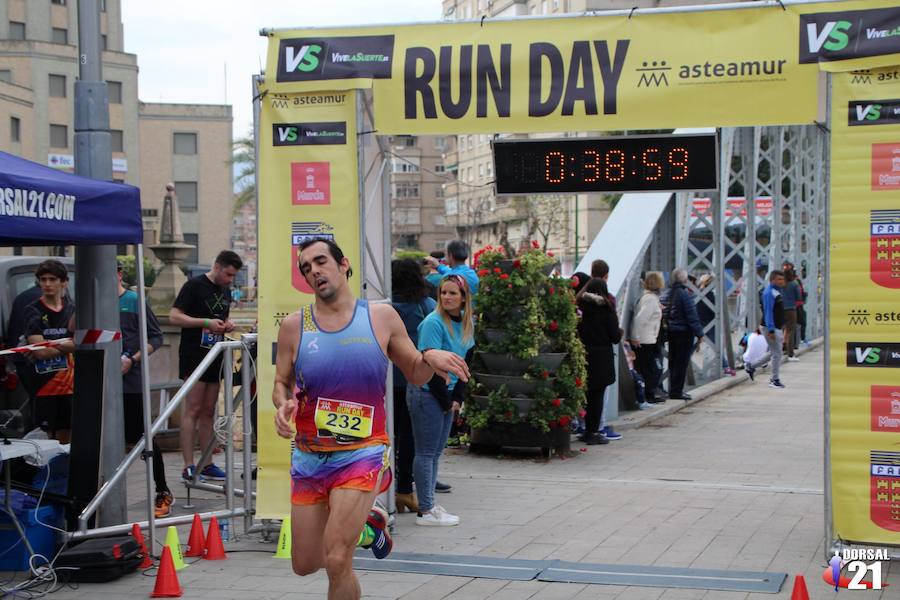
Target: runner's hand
<point x="284" y="419"/>
<point x="126" y="364"/>
<point x="229" y="326"/>
<point x="217" y="326"/>
<point x="445" y="362"/>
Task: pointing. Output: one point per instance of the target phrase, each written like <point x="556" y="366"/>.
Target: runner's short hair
<point x="52" y="267"/>
<point x="336" y="253"/>
<point x="775" y="273"/>
<point x="227" y="258"/>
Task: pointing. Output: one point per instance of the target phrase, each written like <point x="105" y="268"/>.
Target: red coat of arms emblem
<point x="884" y="489"/>
<point x="884" y="248"/>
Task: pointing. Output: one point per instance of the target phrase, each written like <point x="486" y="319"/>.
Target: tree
<point x="243" y="155"/>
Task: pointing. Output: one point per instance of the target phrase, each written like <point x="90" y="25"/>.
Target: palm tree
<point x="243" y="155"/>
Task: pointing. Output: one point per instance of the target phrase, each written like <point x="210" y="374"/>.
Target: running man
<point x="334" y="353"/>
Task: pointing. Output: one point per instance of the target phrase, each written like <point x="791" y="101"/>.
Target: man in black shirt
<point x="52" y="317"/>
<point x="201" y="310"/>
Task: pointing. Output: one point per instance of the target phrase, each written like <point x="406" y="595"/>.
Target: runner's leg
<point x="192" y="405"/>
<point x="206" y="417"/>
<point x="307" y="534"/>
<point x="348" y="512"/>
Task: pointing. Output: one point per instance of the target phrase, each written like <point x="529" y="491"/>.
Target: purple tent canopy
<point x="42" y="206"/>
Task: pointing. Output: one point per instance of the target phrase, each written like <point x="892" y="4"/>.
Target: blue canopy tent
<point x="42" y="206"/>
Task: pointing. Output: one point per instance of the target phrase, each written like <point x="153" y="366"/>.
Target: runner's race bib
<point x="208" y="339"/>
<point x="49" y="365"/>
<point x="346" y="421"/>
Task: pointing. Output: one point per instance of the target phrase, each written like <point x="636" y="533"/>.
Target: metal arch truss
<point x="739" y="241"/>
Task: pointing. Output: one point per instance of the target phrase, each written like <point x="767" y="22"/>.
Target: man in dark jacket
<point x="684" y="325"/>
<point x="773" y="321"/>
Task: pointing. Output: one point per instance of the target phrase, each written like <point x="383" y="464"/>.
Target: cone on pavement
<point x="196" y="541"/>
<point x="800" y="592"/>
<point x="167" y="585"/>
<point x="215" y="550"/>
<point x="284" y="540"/>
<point x="175" y="546"/>
<point x="139" y="538"/>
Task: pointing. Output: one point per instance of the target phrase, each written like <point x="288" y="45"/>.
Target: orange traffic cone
<point x="167" y="585"/>
<point x="215" y="550"/>
<point x="800" y="592"/>
<point x="139" y="538"/>
<point x="196" y="543"/>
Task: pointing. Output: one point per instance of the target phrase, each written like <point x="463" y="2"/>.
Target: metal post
<point x="246" y="401"/>
<point x="826" y="197"/>
<point x="96" y="285"/>
<point x="145" y="396"/>
<point x="228" y="367"/>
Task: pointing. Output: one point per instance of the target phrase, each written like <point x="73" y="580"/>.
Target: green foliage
<point x="412" y="253"/>
<point x="129" y="271"/>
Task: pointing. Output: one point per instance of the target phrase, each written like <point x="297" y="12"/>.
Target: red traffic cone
<point x="215" y="550"/>
<point x="196" y="543"/>
<point x="167" y="585"/>
<point x="139" y="538"/>
<point x="800" y="592"/>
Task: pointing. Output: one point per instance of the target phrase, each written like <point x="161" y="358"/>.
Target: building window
<point x="103" y="42"/>
<point x="439" y="168"/>
<point x="6" y="75"/>
<point x="59" y="2"/>
<point x="194" y="240"/>
<point x="406" y="164"/>
<point x="116" y="140"/>
<point x="438" y="191"/>
<point x="60" y="35"/>
<point x="406" y="216"/>
<point x="15" y="129"/>
<point x="187" y="195"/>
<point x="185" y="143"/>
<point x="57" y="86"/>
<point x="59" y="136"/>
<point x="408" y="241"/>
<point x="16" y="30"/>
<point x="462" y="142"/>
<point x="440" y="143"/>
<point x="114" y="91"/>
<point x="102" y="5"/>
<point x="440" y="220"/>
<point x="481" y="170"/>
<point x="406" y="190"/>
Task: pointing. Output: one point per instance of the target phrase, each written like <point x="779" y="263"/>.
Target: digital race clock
<point x="641" y="163"/>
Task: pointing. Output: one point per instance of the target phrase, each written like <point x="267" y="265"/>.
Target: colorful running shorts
<point x="315" y="474"/>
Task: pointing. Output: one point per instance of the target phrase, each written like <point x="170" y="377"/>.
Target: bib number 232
<point x="343" y="418"/>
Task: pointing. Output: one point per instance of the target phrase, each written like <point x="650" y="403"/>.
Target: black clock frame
<point x="685" y="162"/>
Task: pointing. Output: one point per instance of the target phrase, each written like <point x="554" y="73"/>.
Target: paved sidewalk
<point x="733" y="482"/>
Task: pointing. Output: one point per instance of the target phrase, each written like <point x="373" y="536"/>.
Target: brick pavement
<point x="733" y="482"/>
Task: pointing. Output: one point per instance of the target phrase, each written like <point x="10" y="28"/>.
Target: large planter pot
<point x="515" y="384"/>
<point x="519" y="435"/>
<point x="506" y="364"/>
<point x="516" y="313"/>
<point x="523" y="405"/>
<point x="494" y="336"/>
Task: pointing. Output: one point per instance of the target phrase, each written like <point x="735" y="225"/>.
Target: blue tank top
<point x="341" y="379"/>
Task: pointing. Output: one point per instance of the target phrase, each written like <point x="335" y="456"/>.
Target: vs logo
<point x="305" y="58"/>
<point x="869" y="354"/>
<point x="833" y="36"/>
<point x="873" y="354"/>
<point x="869" y="112"/>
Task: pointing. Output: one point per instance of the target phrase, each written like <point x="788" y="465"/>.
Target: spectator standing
<point x="600" y="270"/>
<point x="645" y="333"/>
<point x="201" y="310"/>
<point x="773" y="321"/>
<point x="451" y="328"/>
<point x="598" y="330"/>
<point x="52" y="317"/>
<point x="457" y="255"/>
<point x="411" y="300"/>
<point x="791" y="294"/>
<point x="684" y="327"/>
<point x="132" y="384"/>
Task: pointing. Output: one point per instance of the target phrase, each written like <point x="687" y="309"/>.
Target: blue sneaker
<point x="378" y="521"/>
<point x="211" y="471"/>
<point x="609" y="434"/>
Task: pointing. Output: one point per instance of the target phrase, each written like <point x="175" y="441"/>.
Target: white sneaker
<point x="793" y="359"/>
<point x="437" y="517"/>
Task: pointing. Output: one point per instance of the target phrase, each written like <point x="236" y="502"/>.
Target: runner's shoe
<point x="163" y="506"/>
<point x="211" y="471"/>
<point x="378" y="521"/>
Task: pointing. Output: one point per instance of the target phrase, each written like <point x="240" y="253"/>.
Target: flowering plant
<point x="523" y="312"/>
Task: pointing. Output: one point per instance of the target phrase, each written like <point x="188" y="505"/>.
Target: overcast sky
<point x="183" y="46"/>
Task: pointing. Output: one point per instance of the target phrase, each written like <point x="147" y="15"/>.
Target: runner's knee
<point x="338" y="558"/>
<point x="305" y="565"/>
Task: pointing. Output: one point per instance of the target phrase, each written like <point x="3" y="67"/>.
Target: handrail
<point x="140" y="445"/>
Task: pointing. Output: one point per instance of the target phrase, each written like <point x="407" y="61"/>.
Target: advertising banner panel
<point x="308" y="187"/>
<point x="595" y="72"/>
<point x="864" y="280"/>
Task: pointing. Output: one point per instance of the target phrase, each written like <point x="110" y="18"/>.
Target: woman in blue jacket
<point x="449" y="327"/>
<point x="684" y="325"/>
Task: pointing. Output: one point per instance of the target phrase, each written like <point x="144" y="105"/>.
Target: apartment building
<point x="419" y="179"/>
<point x="565" y="223"/>
<point x="152" y="144"/>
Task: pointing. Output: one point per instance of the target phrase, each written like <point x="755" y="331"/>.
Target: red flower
<point x="497" y="270"/>
<point x="552" y="291"/>
<point x="578" y="382"/>
<point x="504" y="276"/>
<point x="554" y="325"/>
<point x="545" y="374"/>
<point x="550" y="254"/>
<point x="517" y="263"/>
<point x="552" y="424"/>
<point x="581" y="413"/>
<point x="574" y="282"/>
<point x="556" y="402"/>
<point x="509" y="285"/>
<point x="509" y="414"/>
<point x="583" y="449"/>
<point x="534" y="244"/>
<point x="564" y="420"/>
<point x="483" y="272"/>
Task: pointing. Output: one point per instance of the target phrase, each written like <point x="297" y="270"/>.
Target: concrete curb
<point x="640" y="418"/>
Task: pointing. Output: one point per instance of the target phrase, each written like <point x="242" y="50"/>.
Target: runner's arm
<point x="419" y="367"/>
<point x="283" y="391"/>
